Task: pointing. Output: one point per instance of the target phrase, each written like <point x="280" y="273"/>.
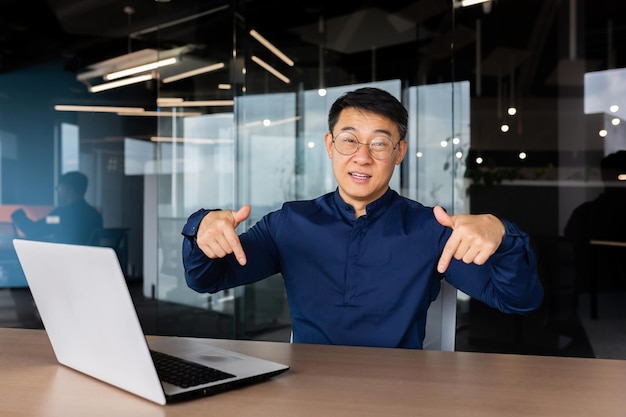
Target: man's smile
<point x="359" y="175"/>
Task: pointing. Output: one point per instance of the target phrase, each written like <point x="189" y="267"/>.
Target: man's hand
<point x="474" y="238"/>
<point x="216" y="233"/>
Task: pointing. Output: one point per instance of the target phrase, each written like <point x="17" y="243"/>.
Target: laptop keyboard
<point x="185" y="374"/>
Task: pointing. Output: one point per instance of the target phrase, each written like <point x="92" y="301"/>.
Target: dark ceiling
<point x="412" y="39"/>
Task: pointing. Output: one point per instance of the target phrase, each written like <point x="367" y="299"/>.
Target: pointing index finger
<point x="448" y="252"/>
<point x="235" y="245"/>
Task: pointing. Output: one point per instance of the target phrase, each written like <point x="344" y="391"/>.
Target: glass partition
<point x="271" y="150"/>
<point x="516" y="108"/>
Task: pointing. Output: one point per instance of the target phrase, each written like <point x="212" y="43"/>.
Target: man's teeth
<point x="355" y="174"/>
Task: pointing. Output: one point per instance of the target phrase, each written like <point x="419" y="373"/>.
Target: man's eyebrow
<point x="383" y="131"/>
<point x="352" y="129"/>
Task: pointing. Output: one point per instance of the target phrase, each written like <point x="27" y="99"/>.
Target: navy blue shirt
<point x="366" y="281"/>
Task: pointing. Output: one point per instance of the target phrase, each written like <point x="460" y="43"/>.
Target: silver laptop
<point x="85" y="306"/>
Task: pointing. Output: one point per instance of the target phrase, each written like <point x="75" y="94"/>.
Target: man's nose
<point x="363" y="152"/>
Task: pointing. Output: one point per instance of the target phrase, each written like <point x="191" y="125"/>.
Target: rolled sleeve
<point x="511" y="236"/>
<point x="190" y="229"/>
<point x="508" y="281"/>
<point x="195" y="262"/>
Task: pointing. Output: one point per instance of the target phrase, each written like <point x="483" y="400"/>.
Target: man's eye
<point x="379" y="144"/>
<point x="348" y="141"/>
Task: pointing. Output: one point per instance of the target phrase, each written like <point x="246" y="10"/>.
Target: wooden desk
<point x="331" y="381"/>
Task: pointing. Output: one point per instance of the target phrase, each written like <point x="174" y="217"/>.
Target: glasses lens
<point x="346" y="143"/>
<point x="380" y="147"/>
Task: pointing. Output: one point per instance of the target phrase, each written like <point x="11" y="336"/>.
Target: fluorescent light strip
<point x="285" y="121"/>
<point x="256" y="35"/>
<point x="271" y="69"/>
<point x="273" y="123"/>
<point x="192" y="73"/>
<point x="191" y="140"/>
<point x="160" y="114"/>
<point x="186" y="19"/>
<point x="466" y="3"/>
<point x="164" y="101"/>
<point x="99" y="109"/>
<point x="120" y="83"/>
<point x="202" y="103"/>
<point x="141" y="68"/>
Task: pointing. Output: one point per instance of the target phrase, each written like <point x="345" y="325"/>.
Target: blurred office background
<point x="513" y="104"/>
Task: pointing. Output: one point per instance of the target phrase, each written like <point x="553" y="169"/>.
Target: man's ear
<point x="328" y="141"/>
<point x="403" y="145"/>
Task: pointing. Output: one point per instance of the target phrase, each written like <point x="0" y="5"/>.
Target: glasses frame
<point x="359" y="143"/>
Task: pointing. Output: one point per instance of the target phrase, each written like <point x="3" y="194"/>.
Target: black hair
<point x="75" y="181"/>
<point x="373" y="100"/>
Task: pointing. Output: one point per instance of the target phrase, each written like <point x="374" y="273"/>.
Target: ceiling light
<point x="271" y="69"/>
<point x="141" y="68"/>
<point x="271" y="47"/>
<point x="191" y="140"/>
<point x="200" y="103"/>
<point x="160" y="114"/>
<point x="467" y="3"/>
<point x="98" y="109"/>
<point x="130" y="64"/>
<point x="192" y="73"/>
<point x="130" y="60"/>
<point x="267" y="122"/>
<point x="164" y="101"/>
<point x="120" y="83"/>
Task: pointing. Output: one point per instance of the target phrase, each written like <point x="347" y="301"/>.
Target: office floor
<point x="479" y="328"/>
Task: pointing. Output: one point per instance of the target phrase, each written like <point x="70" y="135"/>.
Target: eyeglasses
<point x="380" y="147"/>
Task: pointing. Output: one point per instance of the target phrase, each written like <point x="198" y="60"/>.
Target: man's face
<point x="361" y="178"/>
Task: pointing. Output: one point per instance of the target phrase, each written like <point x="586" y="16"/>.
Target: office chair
<point x="441" y="320"/>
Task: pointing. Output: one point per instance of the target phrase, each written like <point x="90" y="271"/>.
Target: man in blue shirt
<point x="362" y="264"/>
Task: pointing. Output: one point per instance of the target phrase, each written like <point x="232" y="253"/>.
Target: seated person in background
<point x="362" y="264"/>
<point x="72" y="221"/>
<point x="604" y="217"/>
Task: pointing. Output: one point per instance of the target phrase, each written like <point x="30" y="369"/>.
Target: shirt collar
<point x="373" y="209"/>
